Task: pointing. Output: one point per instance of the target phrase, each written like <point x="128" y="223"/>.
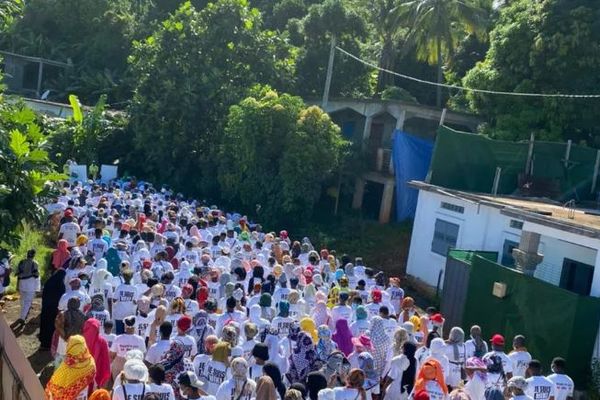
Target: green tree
<point x="331" y="19"/>
<point x="26" y="173"/>
<point x="9" y="9"/>
<point x="188" y="74"/>
<point x="550" y="46"/>
<point x="277" y="153"/>
<point x="436" y="26"/>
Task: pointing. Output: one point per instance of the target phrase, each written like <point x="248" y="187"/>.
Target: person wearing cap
<point x="437" y="323"/>
<point x="517" y="387"/>
<point x="499" y="364"/>
<point x="190" y="387"/>
<point x="184" y="324"/>
<point x="124" y="343"/>
<point x="133" y="381"/>
<point x="519" y="356"/>
<point x="70" y="229"/>
<point x="563" y="384"/>
<point x="538" y="386"/>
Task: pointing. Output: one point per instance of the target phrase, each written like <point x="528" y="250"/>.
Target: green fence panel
<point x="465" y="161"/>
<point x="556" y="322"/>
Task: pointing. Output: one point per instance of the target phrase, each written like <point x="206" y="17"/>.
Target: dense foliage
<point x="276" y="154"/>
<point x="550" y="46"/>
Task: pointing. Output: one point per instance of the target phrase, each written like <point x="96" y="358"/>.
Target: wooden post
<point x="528" y="166"/>
<point x="496" y="181"/>
<point x="568" y="153"/>
<point x="596" y="166"/>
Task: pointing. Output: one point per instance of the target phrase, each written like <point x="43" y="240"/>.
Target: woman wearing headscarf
<point x="201" y="330"/>
<point x="372" y="379"/>
<point x="68" y="323"/>
<point x="437" y="351"/>
<point x="476" y="372"/>
<point x="217" y="369"/>
<point x="74" y="375"/>
<point x="400" y="337"/>
<point x="321" y="314"/>
<point x="336" y="369"/>
<point x="98" y="347"/>
<point x="382" y="345"/>
<point x="174" y="363"/>
<point x="265" y="389"/>
<point x="303" y="359"/>
<point x="272" y="371"/>
<point x="326" y="345"/>
<point x="354" y="388"/>
<point x="100" y="394"/>
<point x="51" y="294"/>
<point x="408" y="309"/>
<point x="239" y="386"/>
<point x="476" y="346"/>
<point x="276" y="354"/>
<point x="455" y="351"/>
<point x="308" y="326"/>
<point x="61" y="254"/>
<point x="343" y="337"/>
<point x="430" y="378"/>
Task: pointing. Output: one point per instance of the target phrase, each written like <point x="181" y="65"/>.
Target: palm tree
<point x="436" y="26"/>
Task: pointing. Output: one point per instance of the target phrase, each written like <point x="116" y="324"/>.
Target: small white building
<point x="445" y="218"/>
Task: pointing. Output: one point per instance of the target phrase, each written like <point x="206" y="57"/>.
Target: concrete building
<point x="371" y="123"/>
<point x="557" y="244"/>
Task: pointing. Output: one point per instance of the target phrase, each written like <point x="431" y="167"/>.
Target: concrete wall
<point x="485" y="228"/>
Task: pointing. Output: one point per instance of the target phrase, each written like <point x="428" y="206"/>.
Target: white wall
<point x="485" y="228"/>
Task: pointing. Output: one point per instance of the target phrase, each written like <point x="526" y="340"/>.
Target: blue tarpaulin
<point x="411" y="156"/>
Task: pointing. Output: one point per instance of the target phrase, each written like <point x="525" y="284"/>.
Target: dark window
<point x="348" y="129"/>
<point x="444" y="237"/>
<point x="576" y="277"/>
<point x="507" y="257"/>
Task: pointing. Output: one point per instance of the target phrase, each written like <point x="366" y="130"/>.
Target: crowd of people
<point x="153" y="296"/>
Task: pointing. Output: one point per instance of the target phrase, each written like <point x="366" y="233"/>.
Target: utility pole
<point x="329" y="73"/>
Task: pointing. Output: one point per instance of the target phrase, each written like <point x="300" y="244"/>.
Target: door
<point x="577" y="277"/>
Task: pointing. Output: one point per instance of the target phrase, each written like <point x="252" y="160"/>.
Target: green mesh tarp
<point x="465" y="161"/>
<point x="555" y="322"/>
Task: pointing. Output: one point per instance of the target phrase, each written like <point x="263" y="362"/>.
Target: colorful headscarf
<point x="343" y="337"/>
<point x="361" y="313"/>
<point x="431" y="370"/>
<point x="174" y="364"/>
<point x="302" y="359"/>
<point x="75" y="373"/>
<point x="367" y="364"/>
<point x="326" y="346"/>
<point x="321" y="314"/>
<point x="308" y="325"/>
<point x="239" y="373"/>
<point x="381" y="343"/>
<point x="98" y="347"/>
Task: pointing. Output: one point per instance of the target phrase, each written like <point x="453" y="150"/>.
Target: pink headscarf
<point x="98" y="348"/>
<point x="343" y="337"/>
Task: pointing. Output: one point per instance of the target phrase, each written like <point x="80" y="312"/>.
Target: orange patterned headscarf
<point x="75" y="373"/>
<point x="430" y="371"/>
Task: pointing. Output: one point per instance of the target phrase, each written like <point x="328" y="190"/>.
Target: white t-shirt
<point x="164" y="391"/>
<point x="172" y="291"/>
<point x="216" y="373"/>
<point x="455" y="364"/>
<point x="396" y="296"/>
<point x="227" y="389"/>
<point x="142" y="325"/>
<point x="359" y="327"/>
<point x="69" y="231"/>
<point x="110" y="338"/>
<point x="373" y="309"/>
<point x="99" y="247"/>
<point x="539" y="388"/>
<point x="495" y="380"/>
<point x="157" y="351"/>
<point x="283" y="325"/>
<point x="124" y="298"/>
<point x="563" y="386"/>
<point x="434" y="390"/>
<point x="135" y="391"/>
<point x="80" y="294"/>
<point x="189" y="344"/>
<point x="200" y="363"/>
<point x="520" y="362"/>
<point x="344" y="393"/>
<point x="398" y="366"/>
<point x="100" y="316"/>
<point x="125" y="342"/>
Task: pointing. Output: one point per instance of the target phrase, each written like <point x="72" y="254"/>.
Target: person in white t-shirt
<point x="499" y="365"/>
<point x="124" y="343"/>
<point x="202" y="360"/>
<point x="124" y="300"/>
<point x="283" y="322"/>
<point x="239" y="386"/>
<point x="538" y="386"/>
<point x="342" y="310"/>
<point x="354" y="388"/>
<point x="69" y="230"/>
<point x="187" y="341"/>
<point x="190" y="387"/>
<point x="157" y="383"/>
<point x="517" y="385"/>
<point x="563" y="384"/>
<point x="520" y="357"/>
<point x="133" y="379"/>
<point x="98" y="246"/>
<point x="156" y="351"/>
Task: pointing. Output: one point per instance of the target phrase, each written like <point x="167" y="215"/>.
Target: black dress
<point x="51" y="294"/>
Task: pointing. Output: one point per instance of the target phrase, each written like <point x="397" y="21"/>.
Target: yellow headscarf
<point x="82" y="240"/>
<point x="308" y="326"/>
<point x="222" y="352"/>
<point x="334" y="297"/>
<point x="75" y="373"/>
